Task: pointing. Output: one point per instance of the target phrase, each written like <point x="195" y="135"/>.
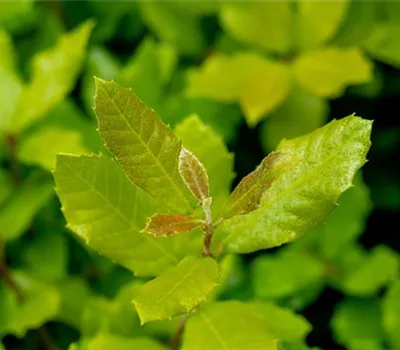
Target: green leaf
<point x="177" y="291"/>
<point x="149" y="70"/>
<point x="317" y="22"/>
<point x="229" y="325"/>
<point x="324" y="164"/>
<point x="391" y="313"/>
<point x="14" y="13"/>
<point x="161" y="225"/>
<point x="144" y="146"/>
<point x="11" y="88"/>
<point x="53" y="76"/>
<point x="223" y="118"/>
<point x="266" y="25"/>
<point x="40" y="304"/>
<point x="299" y="114"/>
<point x="100" y="63"/>
<point x="382" y="44"/>
<point x="380" y="268"/>
<point x="212" y="152"/>
<point x="194" y="175"/>
<point x="46" y="256"/>
<point x="283" y="275"/>
<point x="110" y="221"/>
<point x="168" y="23"/>
<point x="346" y="223"/>
<point x="358" y="322"/>
<point x="110" y="342"/>
<point x="247" y="194"/>
<point x="26" y="201"/>
<point x="357" y="24"/>
<point x="258" y="84"/>
<point x="284" y="323"/>
<point x="327" y="72"/>
<point x="7" y="59"/>
<point x="34" y="149"/>
<point x="74" y="294"/>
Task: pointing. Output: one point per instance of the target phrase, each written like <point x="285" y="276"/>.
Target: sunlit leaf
<point x="177" y="291"/>
<point x="110" y="221"/>
<point x="257" y="83"/>
<point x="317" y="21"/>
<point x="283" y="323"/>
<point x="53" y="76"/>
<point x="327" y="72"/>
<point x="299" y="114"/>
<point x="106" y="341"/>
<point x="144" y="146"/>
<point x="34" y="149"/>
<point x="324" y="164"/>
<point x="266" y="24"/>
<point x="229" y="325"/>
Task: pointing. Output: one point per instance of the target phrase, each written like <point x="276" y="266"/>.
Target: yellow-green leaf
<point x="257" y="83"/>
<point x="324" y="164"/>
<point x="177" y="291"/>
<point x="247" y="194"/>
<point x="317" y="21"/>
<point x="229" y="325"/>
<point x="391" y="313"/>
<point x="194" y="175"/>
<point x="144" y="146"/>
<point x="263" y="24"/>
<point x="299" y="114"/>
<point x="53" y="76"/>
<point x="328" y="71"/>
<point x="35" y="149"/>
<point x="105" y="210"/>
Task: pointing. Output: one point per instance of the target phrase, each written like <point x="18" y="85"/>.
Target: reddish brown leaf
<point x="194" y="175"/>
<point x="247" y="195"/>
<point x="170" y="224"/>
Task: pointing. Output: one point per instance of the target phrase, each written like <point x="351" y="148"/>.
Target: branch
<point x="178" y="335"/>
<point x="12" y="146"/>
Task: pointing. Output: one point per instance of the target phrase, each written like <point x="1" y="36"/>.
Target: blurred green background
<point x="256" y="72"/>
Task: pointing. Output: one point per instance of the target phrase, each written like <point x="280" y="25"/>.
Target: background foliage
<point x="256" y="72"/>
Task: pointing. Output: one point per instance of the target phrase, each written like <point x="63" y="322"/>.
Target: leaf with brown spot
<point x="170" y="224"/>
<point x="247" y="194"/>
<point x="194" y="175"/>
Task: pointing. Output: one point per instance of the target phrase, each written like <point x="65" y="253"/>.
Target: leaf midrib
<point x="156" y="160"/>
